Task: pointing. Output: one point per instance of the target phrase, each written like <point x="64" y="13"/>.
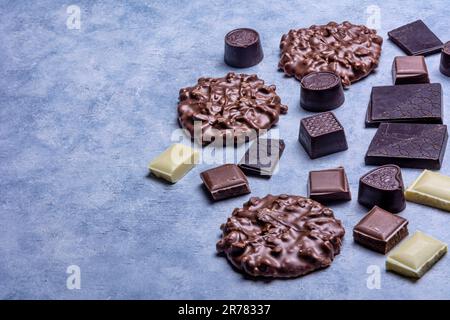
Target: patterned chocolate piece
<point x="281" y="236"/>
<point x="321" y="91"/>
<point x="418" y="103"/>
<point x="444" y="67"/>
<point x="225" y="181"/>
<point x="380" y="230"/>
<point x="416" y="39"/>
<point x="243" y="48"/>
<point x="410" y="145"/>
<point x="322" y="134"/>
<point x="351" y="51"/>
<point x="382" y="187"/>
<point x="234" y="107"/>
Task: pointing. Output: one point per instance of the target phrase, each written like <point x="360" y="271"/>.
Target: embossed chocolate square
<point x="380" y="230"/>
<point x="225" y="181"/>
<point x="412" y="145"/>
<point x="418" y="103"/>
<point x="410" y="70"/>
<point x="328" y="185"/>
<point x="416" y="38"/>
<point x="322" y="134"/>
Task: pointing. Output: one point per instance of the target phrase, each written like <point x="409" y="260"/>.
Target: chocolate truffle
<point x="382" y="187"/>
<point x="328" y="185"/>
<point x="321" y="91"/>
<point x="409" y="70"/>
<point x="445" y="60"/>
<point x="322" y="134"/>
<point x="243" y="48"/>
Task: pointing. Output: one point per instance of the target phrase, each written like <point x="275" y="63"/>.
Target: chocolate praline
<point x="321" y="91"/>
<point x="243" y="48"/>
<point x="445" y="60"/>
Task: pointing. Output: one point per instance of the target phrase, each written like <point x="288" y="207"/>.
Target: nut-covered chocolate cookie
<point x="351" y="51"/>
<point x="281" y="236"/>
<point x="235" y="107"/>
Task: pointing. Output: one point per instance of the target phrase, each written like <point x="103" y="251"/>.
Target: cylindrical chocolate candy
<point x="243" y="48"/>
<point x="321" y="91"/>
<point x="445" y="60"/>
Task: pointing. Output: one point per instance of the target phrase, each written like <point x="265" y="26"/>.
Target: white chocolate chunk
<point x="174" y="162"/>
<point x="432" y="189"/>
<point x="415" y="255"/>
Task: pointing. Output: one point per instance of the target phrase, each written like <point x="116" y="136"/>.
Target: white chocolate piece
<point x="415" y="255"/>
<point x="174" y="162"/>
<point x="431" y="189"/>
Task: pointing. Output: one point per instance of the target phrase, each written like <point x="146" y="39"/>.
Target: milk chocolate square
<point x="380" y="230"/>
<point x="225" y="181"/>
<point x="415" y="39"/>
<point x="262" y="157"/>
<point x="410" y="70"/>
<point x="328" y="185"/>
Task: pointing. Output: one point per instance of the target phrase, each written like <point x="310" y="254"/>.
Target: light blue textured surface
<point x="84" y="111"/>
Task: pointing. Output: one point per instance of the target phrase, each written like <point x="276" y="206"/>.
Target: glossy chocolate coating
<point x="321" y="91"/>
<point x="236" y="106"/>
<point x="322" y="134"/>
<point x="409" y="70"/>
<point x="225" y="181"/>
<point x="418" y="103"/>
<point x="243" y="48"/>
<point x="380" y="230"/>
<point x="383" y="187"/>
<point x="348" y="50"/>
<point x="416" y="39"/>
<point x="328" y="185"/>
<point x="412" y="145"/>
<point x="445" y="60"/>
<point x="262" y="157"/>
<point x="281" y="236"/>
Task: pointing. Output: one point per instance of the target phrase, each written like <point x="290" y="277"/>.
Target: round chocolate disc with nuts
<point x="281" y="236"/>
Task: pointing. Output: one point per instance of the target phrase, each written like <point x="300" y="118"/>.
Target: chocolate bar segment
<point x="416" y="255"/>
<point x="445" y="60"/>
<point x="418" y="103"/>
<point x="380" y="230"/>
<point x="431" y="189"/>
<point x="225" y="181"/>
<point x="410" y="70"/>
<point x="262" y="157"/>
<point x="382" y="187"/>
<point x="415" y="39"/>
<point x="321" y="91"/>
<point x="412" y="145"/>
<point x="328" y="185"/>
<point x="243" y="48"/>
<point x="322" y="134"/>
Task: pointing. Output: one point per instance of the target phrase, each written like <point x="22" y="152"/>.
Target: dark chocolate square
<point x="416" y="38"/>
<point x="322" y="134"/>
<point x="225" y="181"/>
<point x="418" y="103"/>
<point x="409" y="70"/>
<point x="380" y="230"/>
<point x="262" y="157"/>
<point x="328" y="185"/>
<point x="412" y="145"/>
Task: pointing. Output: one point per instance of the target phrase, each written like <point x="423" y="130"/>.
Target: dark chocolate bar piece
<point x="413" y="145"/>
<point x="328" y="185"/>
<point x="410" y="70"/>
<point x="383" y="187"/>
<point x="322" y="134"/>
<point x="418" y="103"/>
<point x="262" y="157"/>
<point x="415" y="39"/>
<point x="225" y="181"/>
<point x="380" y="230"/>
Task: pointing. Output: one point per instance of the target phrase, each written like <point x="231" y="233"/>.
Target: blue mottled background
<point x="84" y="111"/>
